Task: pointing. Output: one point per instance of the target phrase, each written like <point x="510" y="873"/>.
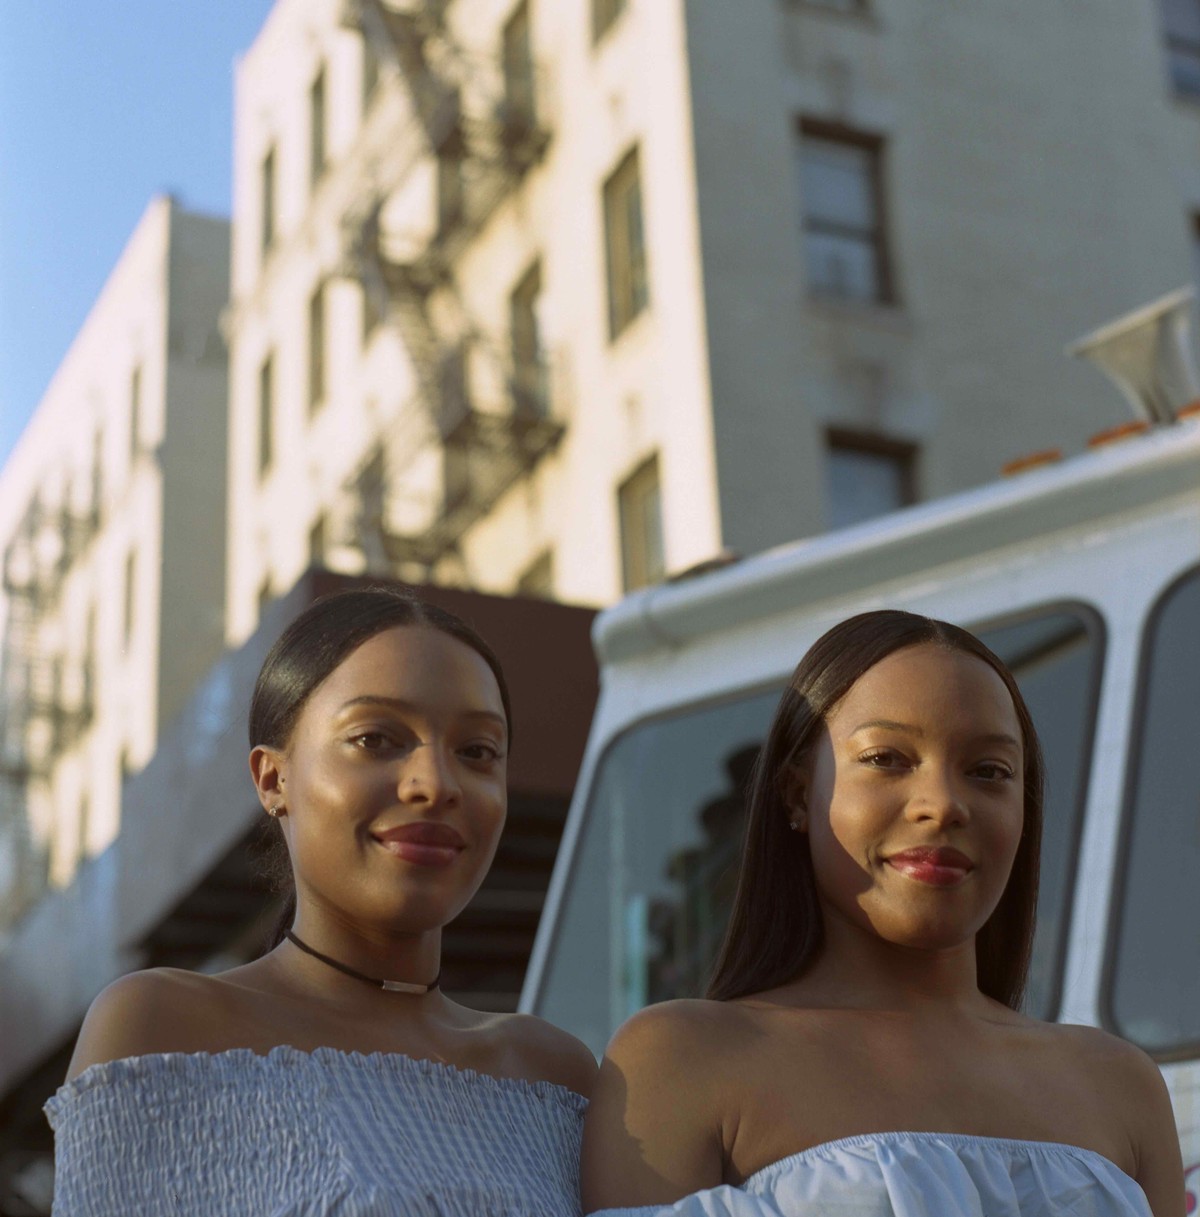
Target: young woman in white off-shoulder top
<point x="862" y="1049"/>
<point x="332" y="1076"/>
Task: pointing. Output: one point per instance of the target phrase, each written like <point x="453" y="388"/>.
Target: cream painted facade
<point x="1030" y="188"/>
<point x="112" y="521"/>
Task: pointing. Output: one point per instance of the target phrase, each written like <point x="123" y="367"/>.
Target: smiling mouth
<point x="433" y="845"/>
<point x="935" y="867"/>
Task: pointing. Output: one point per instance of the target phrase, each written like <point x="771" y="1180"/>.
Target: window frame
<point x="317" y="331"/>
<point x="1096" y="626"/>
<point x="318" y="127"/>
<point x="627" y="278"/>
<point x="877" y="443"/>
<point x="604" y="15"/>
<point x="1175" y="44"/>
<point x="640" y="471"/>
<point x="832" y="132"/>
<point x="266" y="413"/>
<point x="268" y="171"/>
<point x="1125" y="816"/>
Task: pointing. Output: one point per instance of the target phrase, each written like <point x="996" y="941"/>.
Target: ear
<point x="794" y="784"/>
<point x="267" y="768"/>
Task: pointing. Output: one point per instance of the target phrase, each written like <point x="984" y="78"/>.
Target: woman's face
<point x="394" y="782"/>
<point x="914" y="800"/>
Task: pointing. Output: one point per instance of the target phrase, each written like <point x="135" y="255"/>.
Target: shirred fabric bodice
<point x="903" y="1174"/>
<point x="311" y="1134"/>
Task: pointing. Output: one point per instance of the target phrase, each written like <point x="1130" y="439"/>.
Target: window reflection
<point x="1154" y="984"/>
<point x="655" y="870"/>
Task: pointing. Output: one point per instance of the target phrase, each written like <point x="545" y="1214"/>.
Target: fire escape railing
<point x="483" y="128"/>
<point x="39" y="717"/>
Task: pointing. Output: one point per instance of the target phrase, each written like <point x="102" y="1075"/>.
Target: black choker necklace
<point x="392" y="986"/>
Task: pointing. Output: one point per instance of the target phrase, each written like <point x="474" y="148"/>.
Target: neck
<point x="370" y="951"/>
<point x="858" y="968"/>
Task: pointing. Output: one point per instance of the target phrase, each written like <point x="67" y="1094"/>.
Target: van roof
<point x="1084" y="490"/>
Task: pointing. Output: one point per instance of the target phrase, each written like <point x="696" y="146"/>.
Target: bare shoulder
<point x="668" y="1035"/>
<point x="159" y="1010"/>
<point x="1106" y="1055"/>
<point x="544" y="1052"/>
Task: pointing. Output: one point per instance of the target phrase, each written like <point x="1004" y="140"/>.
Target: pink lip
<point x="939" y="867"/>
<point x="422" y="843"/>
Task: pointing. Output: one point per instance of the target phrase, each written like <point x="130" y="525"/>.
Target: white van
<point x="1084" y="577"/>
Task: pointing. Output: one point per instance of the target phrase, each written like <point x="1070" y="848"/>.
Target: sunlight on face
<point x="915" y="799"/>
<point x="395" y="781"/>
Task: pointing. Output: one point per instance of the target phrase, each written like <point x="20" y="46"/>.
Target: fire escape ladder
<point x="36" y="722"/>
<point x="489" y="416"/>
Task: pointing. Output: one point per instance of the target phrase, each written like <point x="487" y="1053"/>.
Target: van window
<point x="654" y="871"/>
<point x="1153" y="984"/>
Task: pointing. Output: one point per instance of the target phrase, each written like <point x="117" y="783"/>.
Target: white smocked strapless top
<point x="311" y="1134"/>
<point x="905" y="1174"/>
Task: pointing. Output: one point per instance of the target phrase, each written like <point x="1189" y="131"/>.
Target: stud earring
<point x="276" y="811"/>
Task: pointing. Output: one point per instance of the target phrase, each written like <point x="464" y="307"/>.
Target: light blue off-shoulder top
<point x="914" y="1174"/>
<point x="311" y="1134"/>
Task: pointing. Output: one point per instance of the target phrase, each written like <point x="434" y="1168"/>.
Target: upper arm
<point x="1156" y="1137"/>
<point x="129" y="1018"/>
<point x="652" y="1133"/>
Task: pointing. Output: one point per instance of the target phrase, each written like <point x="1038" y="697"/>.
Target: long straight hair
<point x="775" y="929"/>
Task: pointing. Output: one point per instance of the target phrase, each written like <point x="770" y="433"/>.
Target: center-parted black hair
<point x="313" y="646"/>
<point x="775" y="930"/>
<point x="317" y="641"/>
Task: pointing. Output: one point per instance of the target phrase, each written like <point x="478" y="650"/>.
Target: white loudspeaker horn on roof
<point x="1148" y="355"/>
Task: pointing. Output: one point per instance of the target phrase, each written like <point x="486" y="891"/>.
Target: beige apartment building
<point x="112" y="525"/>
<point x="561" y="297"/>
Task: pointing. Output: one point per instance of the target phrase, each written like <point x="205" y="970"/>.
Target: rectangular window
<point x="841" y="187"/>
<point x="1181" y="33"/>
<point x="135" y="412"/>
<point x="266" y="414"/>
<point x="624" y="241"/>
<point x="129" y="614"/>
<point x="519" y="100"/>
<point x="528" y="383"/>
<point x="318" y="541"/>
<point x="839" y="6"/>
<point x="639" y="505"/>
<point x="267" y="199"/>
<point x="537" y="579"/>
<point x="451" y="201"/>
<point x="316" y="349"/>
<point x="868" y="475"/>
<point x="370" y="72"/>
<point x="604" y="13"/>
<point x="85" y="829"/>
<point x="316" y="128"/>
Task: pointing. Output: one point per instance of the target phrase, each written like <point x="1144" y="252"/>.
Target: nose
<point x="428" y="776"/>
<point x="939" y="797"/>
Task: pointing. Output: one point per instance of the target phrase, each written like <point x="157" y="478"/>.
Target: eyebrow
<point x="888" y="724"/>
<point x="398" y="703"/>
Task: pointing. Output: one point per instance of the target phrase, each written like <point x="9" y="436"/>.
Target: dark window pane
<point x="837" y="183"/>
<point x="1056" y="660"/>
<point x="864" y="484"/>
<point x="604" y="13"/>
<point x="639" y="503"/>
<point x="1155" y="987"/>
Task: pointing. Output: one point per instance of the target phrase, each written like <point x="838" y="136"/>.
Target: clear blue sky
<point x="102" y="106"/>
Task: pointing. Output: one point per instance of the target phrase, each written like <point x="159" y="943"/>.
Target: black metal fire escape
<point x="40" y="716"/>
<point x="491" y="429"/>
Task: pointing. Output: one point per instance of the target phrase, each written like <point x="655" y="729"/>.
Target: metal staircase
<point x="46" y="697"/>
<point x="486" y="410"/>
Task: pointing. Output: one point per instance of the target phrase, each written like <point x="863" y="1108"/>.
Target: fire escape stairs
<point x="481" y="158"/>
